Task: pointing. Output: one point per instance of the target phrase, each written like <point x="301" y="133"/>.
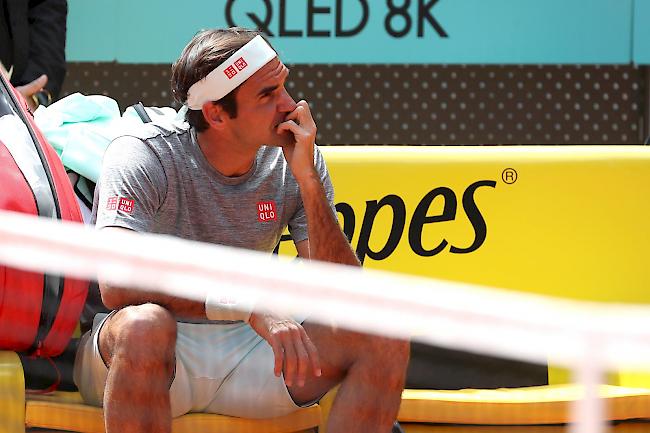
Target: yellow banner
<point x="570" y="221"/>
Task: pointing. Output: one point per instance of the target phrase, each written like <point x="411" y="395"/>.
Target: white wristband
<point x="221" y="307"/>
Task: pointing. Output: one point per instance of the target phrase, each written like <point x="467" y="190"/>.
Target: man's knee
<point x="386" y="354"/>
<point x="392" y="353"/>
<point x="144" y="335"/>
<point x="382" y="361"/>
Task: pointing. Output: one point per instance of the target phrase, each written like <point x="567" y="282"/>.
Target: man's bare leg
<point x="372" y="372"/>
<point x="138" y="344"/>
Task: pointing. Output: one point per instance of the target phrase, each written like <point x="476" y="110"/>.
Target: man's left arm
<point x="294" y="352"/>
<point x="326" y="240"/>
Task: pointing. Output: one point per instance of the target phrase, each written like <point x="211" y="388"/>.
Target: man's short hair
<point x="204" y="53"/>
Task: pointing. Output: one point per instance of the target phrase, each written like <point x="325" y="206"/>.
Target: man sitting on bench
<point x="240" y="170"/>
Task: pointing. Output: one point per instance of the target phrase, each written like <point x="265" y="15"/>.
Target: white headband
<point x="230" y="74"/>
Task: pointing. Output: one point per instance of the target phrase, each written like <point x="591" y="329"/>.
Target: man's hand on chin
<point x="300" y="153"/>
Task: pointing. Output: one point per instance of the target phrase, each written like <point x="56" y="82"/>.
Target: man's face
<point x="262" y="104"/>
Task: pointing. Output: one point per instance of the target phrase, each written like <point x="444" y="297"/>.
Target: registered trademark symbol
<point x="509" y="176"/>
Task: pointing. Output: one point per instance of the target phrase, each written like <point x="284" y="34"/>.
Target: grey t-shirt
<point x="158" y="180"/>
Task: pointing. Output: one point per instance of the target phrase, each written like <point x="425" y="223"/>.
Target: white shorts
<point x="223" y="369"/>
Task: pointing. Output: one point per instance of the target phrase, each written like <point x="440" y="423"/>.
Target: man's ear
<point x="214" y="114"/>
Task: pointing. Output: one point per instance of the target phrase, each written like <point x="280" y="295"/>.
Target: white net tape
<point x="587" y="337"/>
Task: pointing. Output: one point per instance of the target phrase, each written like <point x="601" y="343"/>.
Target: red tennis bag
<point x="38" y="312"/>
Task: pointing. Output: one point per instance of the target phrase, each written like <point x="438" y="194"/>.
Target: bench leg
<point x="12" y="394"/>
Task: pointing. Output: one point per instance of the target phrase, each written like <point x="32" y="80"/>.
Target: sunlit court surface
<point x="365" y="216"/>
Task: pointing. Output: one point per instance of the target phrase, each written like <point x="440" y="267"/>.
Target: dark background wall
<point x="432" y="104"/>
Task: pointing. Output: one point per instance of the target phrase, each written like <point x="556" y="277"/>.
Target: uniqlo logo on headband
<point x="266" y="211"/>
<point x="230" y="72"/>
<point x="241" y="64"/>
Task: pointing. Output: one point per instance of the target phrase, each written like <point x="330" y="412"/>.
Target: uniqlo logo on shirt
<point x="241" y="64"/>
<point x="230" y="72"/>
<point x="111" y="204"/>
<point x="125" y="205"/>
<point x="266" y="211"/>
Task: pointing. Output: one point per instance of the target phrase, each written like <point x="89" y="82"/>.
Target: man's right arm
<point x="131" y="191"/>
<point x="132" y="172"/>
<point x="115" y="297"/>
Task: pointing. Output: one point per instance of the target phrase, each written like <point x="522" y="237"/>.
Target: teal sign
<point x="367" y="31"/>
<point x="642" y="32"/>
